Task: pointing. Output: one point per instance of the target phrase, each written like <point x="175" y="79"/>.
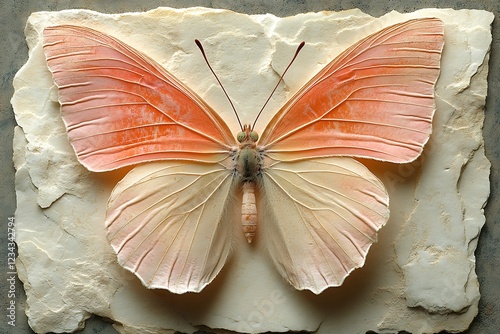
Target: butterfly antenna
<point x="301" y="45"/>
<point x="198" y="43"/>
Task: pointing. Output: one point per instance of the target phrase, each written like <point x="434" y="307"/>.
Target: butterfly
<point x="319" y="209"/>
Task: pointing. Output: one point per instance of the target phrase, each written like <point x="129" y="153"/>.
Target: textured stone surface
<point x="419" y="277"/>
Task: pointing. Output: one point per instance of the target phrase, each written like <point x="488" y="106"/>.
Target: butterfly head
<point x="247" y="136"/>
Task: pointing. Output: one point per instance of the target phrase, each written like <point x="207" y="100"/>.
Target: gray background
<point x="14" y="53"/>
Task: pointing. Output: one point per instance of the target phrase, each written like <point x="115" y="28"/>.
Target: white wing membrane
<point x="166" y="222"/>
<point x="324" y="215"/>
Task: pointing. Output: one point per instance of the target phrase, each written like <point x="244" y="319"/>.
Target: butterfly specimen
<point x="315" y="208"/>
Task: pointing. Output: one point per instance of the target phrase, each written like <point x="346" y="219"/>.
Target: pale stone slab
<point x="419" y="277"/>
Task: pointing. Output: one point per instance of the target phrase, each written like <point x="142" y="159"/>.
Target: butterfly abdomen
<point x="249" y="211"/>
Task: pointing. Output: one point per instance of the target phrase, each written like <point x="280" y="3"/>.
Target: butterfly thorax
<point x="248" y="160"/>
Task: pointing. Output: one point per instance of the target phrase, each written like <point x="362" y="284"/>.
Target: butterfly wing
<point x="375" y="100"/>
<point x="121" y="108"/>
<point x="164" y="219"/>
<point x="166" y="223"/>
<point x="326" y="214"/>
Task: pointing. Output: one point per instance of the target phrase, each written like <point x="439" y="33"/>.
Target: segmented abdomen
<point x="249" y="211"/>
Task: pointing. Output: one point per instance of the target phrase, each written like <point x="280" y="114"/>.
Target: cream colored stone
<point x="419" y="277"/>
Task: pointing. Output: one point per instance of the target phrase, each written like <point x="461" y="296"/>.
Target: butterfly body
<point x="248" y="168"/>
<point x="166" y="219"/>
